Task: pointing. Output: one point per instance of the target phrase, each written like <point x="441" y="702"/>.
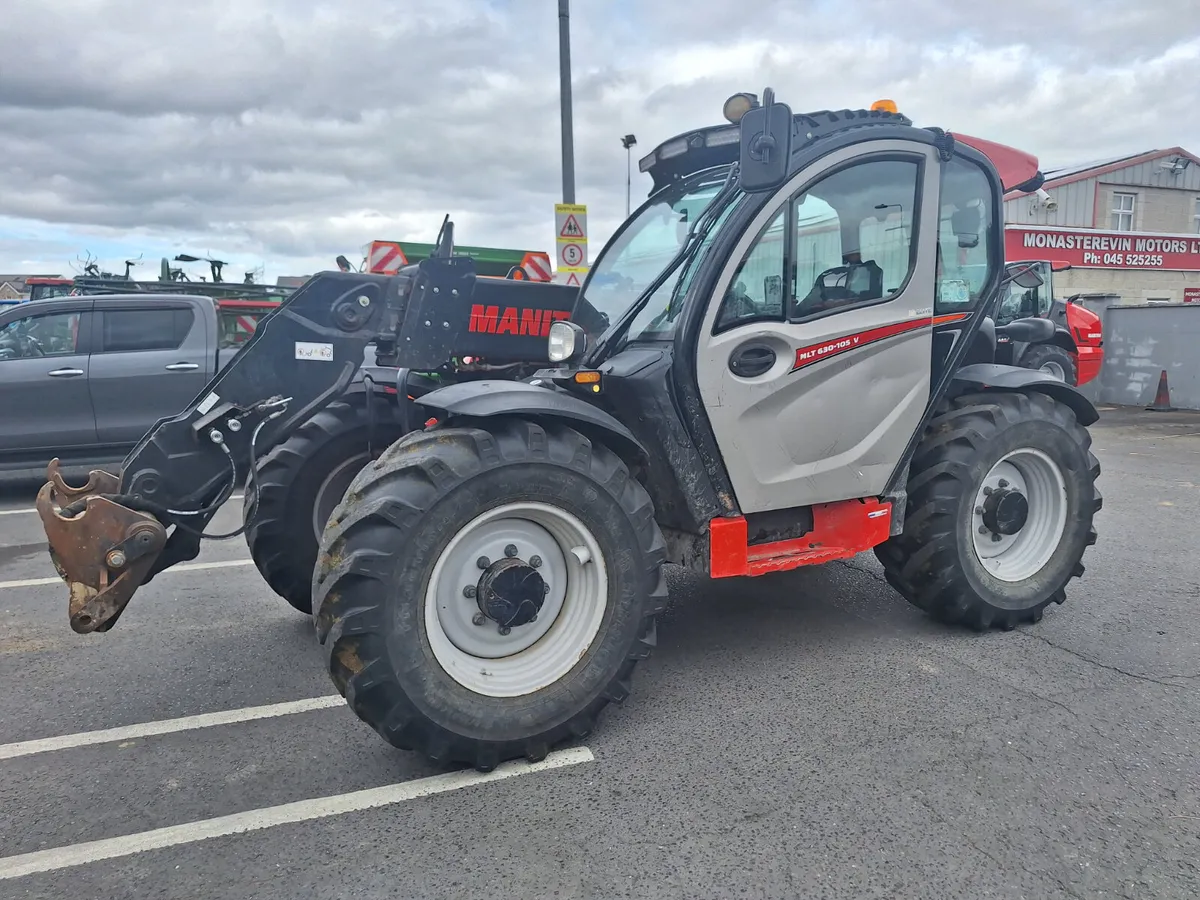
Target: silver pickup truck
<point x="83" y="378"/>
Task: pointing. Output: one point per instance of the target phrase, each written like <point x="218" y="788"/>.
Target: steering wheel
<point x="32" y="343"/>
<point x="742" y="305"/>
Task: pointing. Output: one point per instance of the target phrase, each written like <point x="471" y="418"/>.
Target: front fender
<point x="485" y="399"/>
<point x="993" y="377"/>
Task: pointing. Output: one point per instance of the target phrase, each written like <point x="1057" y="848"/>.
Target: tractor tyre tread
<point x="278" y="534"/>
<point x="1037" y="355"/>
<point x="407" y="491"/>
<point x="925" y="564"/>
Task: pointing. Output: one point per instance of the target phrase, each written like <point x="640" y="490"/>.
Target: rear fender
<point x="992" y="377"/>
<point x="490" y="398"/>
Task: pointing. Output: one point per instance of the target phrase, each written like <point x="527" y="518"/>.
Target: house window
<point x="1196" y="217"/>
<point x="1122" y="211"/>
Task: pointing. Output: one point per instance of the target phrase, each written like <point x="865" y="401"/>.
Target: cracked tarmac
<point x="800" y="735"/>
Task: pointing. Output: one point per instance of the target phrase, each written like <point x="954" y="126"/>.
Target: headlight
<point x="566" y="341"/>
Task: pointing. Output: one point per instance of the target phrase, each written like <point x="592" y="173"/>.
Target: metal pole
<point x="628" y="178"/>
<point x="564" y="90"/>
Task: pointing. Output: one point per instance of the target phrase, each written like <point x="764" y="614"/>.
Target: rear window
<point x="144" y="329"/>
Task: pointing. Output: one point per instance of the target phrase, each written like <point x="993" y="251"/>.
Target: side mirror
<point x="1028" y="331"/>
<point x="1024" y="275"/>
<point x="766" y="145"/>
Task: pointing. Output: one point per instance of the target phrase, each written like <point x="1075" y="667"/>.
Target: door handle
<point x="65" y="373"/>
<point x="752" y="361"/>
<point x="182" y="367"/>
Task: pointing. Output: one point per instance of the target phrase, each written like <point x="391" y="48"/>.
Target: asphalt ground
<point x="801" y="735"/>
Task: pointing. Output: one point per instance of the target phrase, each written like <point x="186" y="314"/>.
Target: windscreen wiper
<point x="699" y="229"/>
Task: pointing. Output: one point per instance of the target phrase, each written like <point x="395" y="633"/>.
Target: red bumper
<point x="1088" y="361"/>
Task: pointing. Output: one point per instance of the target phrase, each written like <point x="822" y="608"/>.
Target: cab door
<point x="814" y="356"/>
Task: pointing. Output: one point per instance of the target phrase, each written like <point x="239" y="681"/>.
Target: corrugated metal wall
<point x="1077" y="201"/>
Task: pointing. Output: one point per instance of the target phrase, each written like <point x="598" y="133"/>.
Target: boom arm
<point x="110" y="536"/>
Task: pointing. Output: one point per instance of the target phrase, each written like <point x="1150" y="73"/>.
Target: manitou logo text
<point x="513" y="320"/>
<point x="811" y="353"/>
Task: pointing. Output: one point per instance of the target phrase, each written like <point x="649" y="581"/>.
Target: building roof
<point x="1082" y="171"/>
<point x="18" y="281"/>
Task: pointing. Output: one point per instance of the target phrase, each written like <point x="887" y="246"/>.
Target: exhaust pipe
<point x="101" y="549"/>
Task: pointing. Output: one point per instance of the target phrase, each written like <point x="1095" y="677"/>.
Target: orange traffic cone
<point x="1162" y="399"/>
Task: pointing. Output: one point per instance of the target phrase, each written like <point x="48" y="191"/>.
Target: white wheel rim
<point x="1016" y="557"/>
<point x="1053" y="368"/>
<point x="535" y="655"/>
<point x="319" y="521"/>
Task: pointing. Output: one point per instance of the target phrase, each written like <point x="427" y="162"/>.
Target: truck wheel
<point x="1053" y="360"/>
<point x="1001" y="501"/>
<point x="483" y="595"/>
<point x="300" y="481"/>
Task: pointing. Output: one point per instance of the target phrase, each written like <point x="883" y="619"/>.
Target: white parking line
<point x="168" y="726"/>
<point x="186" y="567"/>
<point x="32" y="511"/>
<point x="268" y="817"/>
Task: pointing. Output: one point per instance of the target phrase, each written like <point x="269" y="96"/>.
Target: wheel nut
<point x="983" y="529"/>
<point x="545" y="588"/>
<point x="510" y="550"/>
<point x="478" y="619"/>
<point x="535" y="561"/>
<point x="469" y="591"/>
<point x="979" y="510"/>
<point x="1003" y="483"/>
<point x="996" y="537"/>
<point x="505" y="630"/>
<point x="987" y="492"/>
<point x="483" y="562"/>
<point x="116" y="559"/>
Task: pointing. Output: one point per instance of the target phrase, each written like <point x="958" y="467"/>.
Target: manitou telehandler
<point x="784" y="357"/>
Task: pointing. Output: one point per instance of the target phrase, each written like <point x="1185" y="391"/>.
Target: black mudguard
<point x="484" y="399"/>
<point x="993" y="377"/>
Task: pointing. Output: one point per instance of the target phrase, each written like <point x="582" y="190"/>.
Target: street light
<point x="564" y="93"/>
<point x="627" y="142"/>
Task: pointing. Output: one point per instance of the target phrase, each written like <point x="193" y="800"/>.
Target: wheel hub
<point x="1005" y="511"/>
<point x="510" y="593"/>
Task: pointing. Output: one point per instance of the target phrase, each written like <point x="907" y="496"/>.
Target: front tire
<point x="447" y="524"/>
<point x="1000" y="511"/>
<point x="300" y="482"/>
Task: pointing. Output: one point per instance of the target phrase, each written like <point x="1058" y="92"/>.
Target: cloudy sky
<point x="280" y="133"/>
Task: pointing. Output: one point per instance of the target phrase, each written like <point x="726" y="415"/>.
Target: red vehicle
<point x="1075" y="353"/>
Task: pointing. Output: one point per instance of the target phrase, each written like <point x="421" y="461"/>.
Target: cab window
<point x="31" y="337"/>
<point x="847" y="241"/>
<point x="966" y="258"/>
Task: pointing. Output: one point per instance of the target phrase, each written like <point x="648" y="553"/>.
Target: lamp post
<point x="564" y="92"/>
<point x="628" y="141"/>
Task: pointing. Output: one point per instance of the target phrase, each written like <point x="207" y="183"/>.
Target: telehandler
<point x="783" y="357"/>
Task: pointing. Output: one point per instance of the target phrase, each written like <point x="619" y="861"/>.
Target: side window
<point x="144" y="329"/>
<point x="757" y="289"/>
<point x="54" y="334"/>
<point x="854" y="237"/>
<point x="965" y="257"/>
<point x="847" y="241"/>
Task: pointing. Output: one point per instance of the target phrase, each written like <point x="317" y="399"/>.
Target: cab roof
<point x="703" y="148"/>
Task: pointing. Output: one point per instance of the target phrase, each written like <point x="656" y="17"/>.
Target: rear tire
<point x="398" y="587"/>
<point x="1053" y="360"/>
<point x="300" y="483"/>
<point x="959" y="558"/>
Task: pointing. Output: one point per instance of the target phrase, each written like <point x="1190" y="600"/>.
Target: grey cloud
<point x="271" y="128"/>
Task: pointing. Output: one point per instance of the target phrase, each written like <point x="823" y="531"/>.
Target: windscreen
<point x="632" y="260"/>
